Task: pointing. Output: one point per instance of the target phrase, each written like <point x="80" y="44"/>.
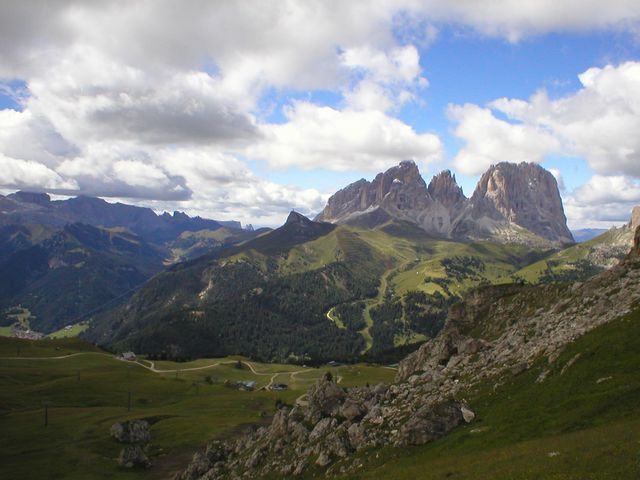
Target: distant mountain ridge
<point x="37" y="208"/>
<point x="512" y="203"/>
<point x="61" y="274"/>
<point x="62" y="260"/>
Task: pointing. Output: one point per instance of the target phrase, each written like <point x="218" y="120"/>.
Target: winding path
<point x="152" y="366"/>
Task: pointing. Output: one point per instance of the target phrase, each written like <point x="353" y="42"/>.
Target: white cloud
<point x="398" y="65"/>
<point x="515" y="19"/>
<point x="152" y="99"/>
<point x="600" y="123"/>
<point x="602" y="189"/>
<point x="27" y="174"/>
<point x="489" y="140"/>
<point x="602" y="202"/>
<point x="322" y="137"/>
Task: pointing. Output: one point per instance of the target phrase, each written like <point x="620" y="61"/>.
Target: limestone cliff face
<point x="635" y="218"/>
<point x="519" y="203"/>
<point x="399" y="193"/>
<point x="523" y="194"/>
<point x="399" y="189"/>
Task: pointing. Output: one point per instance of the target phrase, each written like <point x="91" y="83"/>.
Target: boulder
<point x="325" y="398"/>
<point x="351" y="410"/>
<point x="467" y="414"/>
<point x="323" y="459"/>
<point x="199" y="465"/>
<point x="430" y="423"/>
<point x="132" y="431"/>
<point x="133" y="456"/>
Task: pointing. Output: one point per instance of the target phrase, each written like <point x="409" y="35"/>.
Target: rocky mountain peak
<point x="296" y="218"/>
<point x="400" y="188"/>
<point x="524" y="194"/>
<point x="512" y="203"/>
<point x="444" y="188"/>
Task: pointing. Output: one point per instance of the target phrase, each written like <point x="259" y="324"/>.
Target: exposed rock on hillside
<point x="509" y="327"/>
<point x="512" y="203"/>
<point x="334" y="424"/>
<point x="135" y="434"/>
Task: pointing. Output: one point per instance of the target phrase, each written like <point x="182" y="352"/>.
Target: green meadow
<point x="87" y="390"/>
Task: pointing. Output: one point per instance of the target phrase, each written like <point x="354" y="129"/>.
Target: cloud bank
<point x="163" y="101"/>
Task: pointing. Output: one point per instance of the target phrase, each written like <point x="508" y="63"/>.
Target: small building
<point x="279" y="386"/>
<point x="129" y="356"/>
<point x="246" y="385"/>
<point x="333" y="363"/>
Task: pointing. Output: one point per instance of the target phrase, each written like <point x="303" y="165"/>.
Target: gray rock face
<point x="133" y="456"/>
<point x="525" y="195"/>
<point x="134" y="432"/>
<point x="333" y="426"/>
<point x="325" y="399"/>
<point x="512" y="203"/>
<point x="429" y="424"/>
<point x="635" y="218"/>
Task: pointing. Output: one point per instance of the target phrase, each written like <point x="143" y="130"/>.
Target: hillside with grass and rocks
<point x="492" y="338"/>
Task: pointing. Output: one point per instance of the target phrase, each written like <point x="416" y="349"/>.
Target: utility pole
<point x="46" y="404"/>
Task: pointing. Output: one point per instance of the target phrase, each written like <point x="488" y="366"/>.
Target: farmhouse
<point x="130" y="356"/>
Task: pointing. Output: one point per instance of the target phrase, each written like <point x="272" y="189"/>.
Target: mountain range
<point x="62" y="260"/>
<point x="38" y="208"/>
<point x="374" y="273"/>
<point x="511" y="203"/>
<point x="372" y="276"/>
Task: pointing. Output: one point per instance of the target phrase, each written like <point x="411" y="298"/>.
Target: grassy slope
<point x="74" y="331"/>
<point x="580" y="424"/>
<point x="411" y="256"/>
<point x="565" y="260"/>
<point x="76" y="444"/>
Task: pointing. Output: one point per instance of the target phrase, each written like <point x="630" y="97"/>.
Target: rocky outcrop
<point x="635" y="251"/>
<point x="136" y="434"/>
<point x="325" y="433"/>
<point x="133" y="456"/>
<point x="512" y="203"/>
<point x="134" y="431"/>
<point x="608" y="249"/>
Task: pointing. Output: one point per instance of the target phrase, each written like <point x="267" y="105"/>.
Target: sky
<point x="246" y="110"/>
